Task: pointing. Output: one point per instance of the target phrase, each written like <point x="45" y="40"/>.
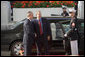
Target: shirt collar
<point x="39" y="19"/>
<point x="29" y="19"/>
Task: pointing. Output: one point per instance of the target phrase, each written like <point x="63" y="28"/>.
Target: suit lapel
<point x="37" y="26"/>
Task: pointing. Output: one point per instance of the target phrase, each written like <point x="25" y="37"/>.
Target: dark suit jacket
<point x="73" y="33"/>
<point x="66" y="14"/>
<point x="28" y="31"/>
<point x="46" y="27"/>
<point x="73" y="21"/>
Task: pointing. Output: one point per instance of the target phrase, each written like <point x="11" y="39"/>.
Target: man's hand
<point x="73" y="24"/>
<point x="35" y="35"/>
<point x="48" y="38"/>
<point x="64" y="15"/>
<point x="65" y="35"/>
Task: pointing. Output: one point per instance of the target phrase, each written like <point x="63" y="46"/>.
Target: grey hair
<point x="29" y="13"/>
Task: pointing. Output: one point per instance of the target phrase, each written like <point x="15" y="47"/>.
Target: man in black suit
<point x="64" y="13"/>
<point x="42" y="29"/>
<point x="73" y="32"/>
<point x="28" y="38"/>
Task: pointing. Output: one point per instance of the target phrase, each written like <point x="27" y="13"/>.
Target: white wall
<point x="20" y="13"/>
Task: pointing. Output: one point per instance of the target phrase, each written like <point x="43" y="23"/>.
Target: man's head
<point x="64" y="8"/>
<point x="72" y="12"/>
<point x="38" y="14"/>
<point x="30" y="15"/>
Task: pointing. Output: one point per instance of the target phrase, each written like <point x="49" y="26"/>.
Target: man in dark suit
<point x="73" y="32"/>
<point x="64" y="13"/>
<point x="42" y="29"/>
<point x="28" y="38"/>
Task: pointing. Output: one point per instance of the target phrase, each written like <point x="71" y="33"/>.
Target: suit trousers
<point x="42" y="42"/>
<point x="28" y="46"/>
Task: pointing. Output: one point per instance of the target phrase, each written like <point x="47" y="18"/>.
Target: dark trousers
<point x="42" y="42"/>
<point x="67" y="48"/>
<point x="28" y="46"/>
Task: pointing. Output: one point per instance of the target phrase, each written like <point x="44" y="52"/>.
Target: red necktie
<point x="40" y="28"/>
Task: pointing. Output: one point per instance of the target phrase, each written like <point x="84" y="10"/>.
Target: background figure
<point x="73" y="32"/>
<point x="28" y="38"/>
<point x="42" y="29"/>
<point x="64" y="13"/>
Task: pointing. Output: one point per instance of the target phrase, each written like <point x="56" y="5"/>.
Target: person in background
<point x="42" y="30"/>
<point x="64" y="13"/>
<point x="72" y="33"/>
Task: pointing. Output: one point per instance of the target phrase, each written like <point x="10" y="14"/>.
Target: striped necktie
<point x="40" y="27"/>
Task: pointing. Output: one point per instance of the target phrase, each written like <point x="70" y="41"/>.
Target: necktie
<point x="40" y="27"/>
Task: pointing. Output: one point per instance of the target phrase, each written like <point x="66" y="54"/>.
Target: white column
<point x="5" y="14"/>
<point x="81" y="9"/>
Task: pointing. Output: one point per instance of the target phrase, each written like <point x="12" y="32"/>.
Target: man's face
<point x="64" y="9"/>
<point x="31" y="16"/>
<point x="71" y="14"/>
<point x="39" y="15"/>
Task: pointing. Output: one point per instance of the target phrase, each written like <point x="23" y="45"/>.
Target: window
<point x="66" y="27"/>
<point x="57" y="32"/>
<point x="81" y="27"/>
